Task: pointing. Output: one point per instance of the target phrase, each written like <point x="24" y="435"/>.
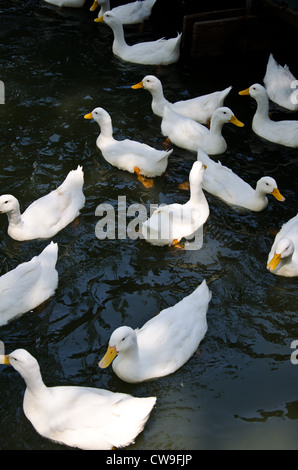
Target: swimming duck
<point x="280" y="132"/>
<point x="191" y="135"/>
<point x="28" y="285"/>
<point x="129" y="13"/>
<point x="280" y="85"/>
<point x="160" y="52"/>
<point x="170" y="223"/>
<point x="87" y="418"/>
<point x="49" y="214"/>
<point x="200" y="108"/>
<point x="283" y="256"/>
<point x="229" y="187"/>
<point x="163" y="344"/>
<point x="67" y="3"/>
<point x="129" y="155"/>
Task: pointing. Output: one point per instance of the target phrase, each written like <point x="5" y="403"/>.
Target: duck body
<point x="159" y="52"/>
<point x="28" y="285"/>
<point x="130" y="13"/>
<point x="67" y="3"/>
<point x="49" y="214"/>
<point x="283" y="256"/>
<point x="170" y="223"/>
<point x="82" y="417"/>
<point x="199" y="108"/>
<point x="279" y="82"/>
<point x="127" y="154"/>
<point x="223" y="183"/>
<point x="280" y="132"/>
<point x="164" y="343"/>
<point x="191" y="135"/>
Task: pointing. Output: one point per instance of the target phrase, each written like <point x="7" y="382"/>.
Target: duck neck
<point x="196" y="194"/>
<point x="104" y="7"/>
<point x="262" y="107"/>
<point x="34" y="383"/>
<point x="130" y="362"/>
<point x="215" y="128"/>
<point x="260" y="199"/>
<point x="119" y="39"/>
<point x="106" y="128"/>
<point x="158" y="101"/>
<point x="14" y="216"/>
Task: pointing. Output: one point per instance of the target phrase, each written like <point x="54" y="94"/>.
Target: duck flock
<point x="92" y="418"/>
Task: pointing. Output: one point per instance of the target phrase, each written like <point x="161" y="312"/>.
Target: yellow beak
<point x="277" y="195"/>
<point x="94" y="6"/>
<point x="274" y="262"/>
<point x="88" y="116"/>
<point x="108" y="357"/>
<point x="99" y="19"/>
<point x="138" y="85"/>
<point x="236" y="122"/>
<point x="244" y="92"/>
<point x="4" y="359"/>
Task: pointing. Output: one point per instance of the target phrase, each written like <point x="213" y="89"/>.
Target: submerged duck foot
<point x="176" y="244"/>
<point x="147" y="182"/>
<point x="185" y="186"/>
<point x="167" y="143"/>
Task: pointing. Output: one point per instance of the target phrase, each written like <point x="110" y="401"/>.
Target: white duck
<point x="170" y="223"/>
<point x="163" y="344"/>
<point x="159" y="52"/>
<point x="67" y="3"/>
<point x="280" y="132"/>
<point x="229" y="187"/>
<point x="280" y="85"/>
<point x="191" y="135"/>
<point x="283" y="256"/>
<point x="199" y="108"/>
<point x="87" y="418"/>
<point x="28" y="285"/>
<point x="129" y="13"/>
<point x="49" y="214"/>
<point x="129" y="155"/>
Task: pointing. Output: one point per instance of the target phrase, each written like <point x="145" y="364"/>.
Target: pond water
<point x="240" y="392"/>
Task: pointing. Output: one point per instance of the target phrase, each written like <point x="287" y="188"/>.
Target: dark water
<point x="241" y="391"/>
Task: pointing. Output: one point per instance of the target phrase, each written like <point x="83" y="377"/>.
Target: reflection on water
<point x="240" y="392"/>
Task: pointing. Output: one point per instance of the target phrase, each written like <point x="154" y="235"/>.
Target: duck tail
<point x="75" y="177"/>
<point x="48" y="257"/>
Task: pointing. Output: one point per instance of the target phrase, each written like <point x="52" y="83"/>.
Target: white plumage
<point x="159" y="52"/>
<point x="164" y="343"/>
<point x="170" y="223"/>
<point x="191" y="135"/>
<point x="280" y="85"/>
<point x="83" y="417"/>
<point x="199" y="108"/>
<point x="129" y="13"/>
<point x="229" y="187"/>
<point x="29" y="284"/>
<point x="49" y="214"/>
<point x="283" y="256"/>
<point x="127" y="154"/>
<point x="280" y="132"/>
